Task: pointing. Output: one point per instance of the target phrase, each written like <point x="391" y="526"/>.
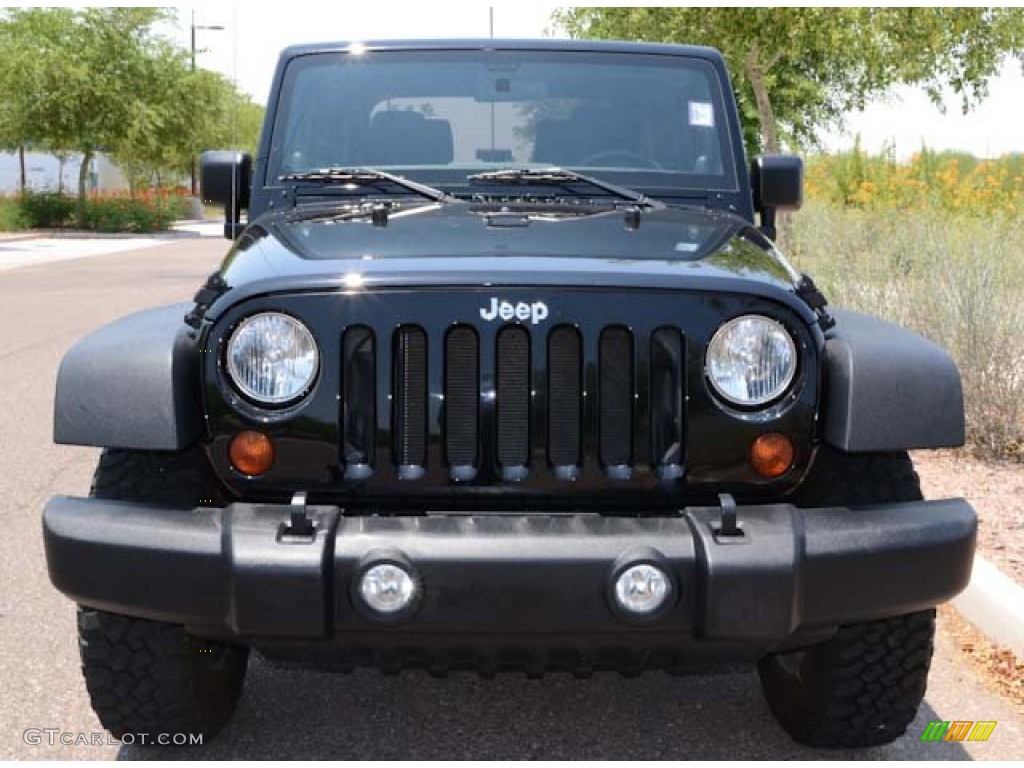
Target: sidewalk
<point x="22" y="249"/>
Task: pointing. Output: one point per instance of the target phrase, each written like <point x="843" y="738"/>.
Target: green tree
<point x="21" y="77"/>
<point x="102" y="79"/>
<point x="796" y="70"/>
<point x="90" y="78"/>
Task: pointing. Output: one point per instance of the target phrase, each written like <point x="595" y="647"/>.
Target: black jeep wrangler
<point x="505" y="373"/>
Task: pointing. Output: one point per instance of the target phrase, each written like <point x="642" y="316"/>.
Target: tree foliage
<point x="102" y="79"/>
<point x="797" y="70"/>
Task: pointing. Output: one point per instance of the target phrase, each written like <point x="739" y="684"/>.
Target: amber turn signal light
<point x="772" y="454"/>
<point x="252" y="453"/>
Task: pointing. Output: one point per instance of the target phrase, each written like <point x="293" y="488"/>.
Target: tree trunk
<point x="83" y="176"/>
<point x="21" y="166"/>
<point x="755" y="71"/>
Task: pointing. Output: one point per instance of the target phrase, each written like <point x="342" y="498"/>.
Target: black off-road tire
<point x="147" y="676"/>
<point x="184" y="480"/>
<point x="862" y="687"/>
<point x="840" y="479"/>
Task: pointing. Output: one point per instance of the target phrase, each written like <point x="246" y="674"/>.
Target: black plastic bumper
<point x="497" y="578"/>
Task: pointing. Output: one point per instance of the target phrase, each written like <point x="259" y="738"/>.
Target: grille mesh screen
<point x="410" y="367"/>
<point x="359" y="396"/>
<point x="461" y="395"/>
<point x="616" y="395"/>
<point x="513" y="396"/>
<point x="564" y="397"/>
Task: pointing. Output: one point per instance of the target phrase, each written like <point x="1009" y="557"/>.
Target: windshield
<point x="645" y="121"/>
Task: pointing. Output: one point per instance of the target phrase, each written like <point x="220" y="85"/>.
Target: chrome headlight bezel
<point x="781" y="386"/>
<point x="303" y="338"/>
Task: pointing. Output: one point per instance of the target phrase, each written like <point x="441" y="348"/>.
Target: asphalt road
<point x="43" y="310"/>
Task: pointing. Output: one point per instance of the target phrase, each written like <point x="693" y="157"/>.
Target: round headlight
<point x="272" y="358"/>
<point x="751" y="360"/>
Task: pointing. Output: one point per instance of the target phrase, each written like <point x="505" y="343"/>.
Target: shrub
<point x="957" y="280"/>
<point x="12" y="218"/>
<point x="953" y="182"/>
<point x="47" y="209"/>
<point x="147" y="211"/>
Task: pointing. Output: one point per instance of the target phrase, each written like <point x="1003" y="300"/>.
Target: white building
<point x="45" y="172"/>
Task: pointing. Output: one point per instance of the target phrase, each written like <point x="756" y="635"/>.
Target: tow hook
<point x="728" y="530"/>
<point x="300" y="529"/>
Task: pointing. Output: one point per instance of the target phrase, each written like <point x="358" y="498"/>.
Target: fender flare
<point x="888" y="389"/>
<point x="132" y="384"/>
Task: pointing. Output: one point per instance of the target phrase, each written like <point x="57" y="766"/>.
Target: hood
<point x="463" y="243"/>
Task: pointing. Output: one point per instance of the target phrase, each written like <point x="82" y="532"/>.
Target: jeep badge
<point x="506" y="310"/>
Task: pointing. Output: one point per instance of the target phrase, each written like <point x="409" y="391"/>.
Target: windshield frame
<point x="729" y="187"/>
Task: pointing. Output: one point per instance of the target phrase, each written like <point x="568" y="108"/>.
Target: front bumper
<point x="510" y="580"/>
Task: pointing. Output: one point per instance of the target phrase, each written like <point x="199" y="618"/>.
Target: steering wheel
<point x="632" y="159"/>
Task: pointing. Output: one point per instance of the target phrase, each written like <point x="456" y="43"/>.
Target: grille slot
<point x="359" y="412"/>
<point x="513" y="380"/>
<point x="564" y="397"/>
<point x="461" y="396"/>
<point x="615" y="385"/>
<point x="410" y="403"/>
<point x="667" y="401"/>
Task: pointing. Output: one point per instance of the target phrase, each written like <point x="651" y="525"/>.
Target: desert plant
<point x="954" y="279"/>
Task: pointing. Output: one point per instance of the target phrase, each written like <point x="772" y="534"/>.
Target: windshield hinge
<point x="204" y="298"/>
<point x="815" y="299"/>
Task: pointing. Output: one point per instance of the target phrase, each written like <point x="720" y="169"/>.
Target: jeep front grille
<point x="514" y="404"/>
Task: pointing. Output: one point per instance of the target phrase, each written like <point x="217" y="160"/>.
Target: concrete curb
<point x="179" y="229"/>
<point x="171" y="234"/>
<point x="17" y="237"/>
<point x="994" y="603"/>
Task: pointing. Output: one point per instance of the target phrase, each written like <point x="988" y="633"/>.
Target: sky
<point x="246" y="51"/>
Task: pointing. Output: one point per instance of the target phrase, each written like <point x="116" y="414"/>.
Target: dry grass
<point x="1000" y="670"/>
<point x="955" y="279"/>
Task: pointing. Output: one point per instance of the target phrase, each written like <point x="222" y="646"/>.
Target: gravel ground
<point x="995" y="488"/>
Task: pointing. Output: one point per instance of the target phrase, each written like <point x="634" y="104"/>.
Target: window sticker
<point x="702" y="114"/>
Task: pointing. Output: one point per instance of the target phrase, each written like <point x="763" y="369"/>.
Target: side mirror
<point x="777" y="182"/>
<point x="226" y="178"/>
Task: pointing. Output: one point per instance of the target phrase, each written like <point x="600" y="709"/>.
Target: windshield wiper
<point x="559" y="177"/>
<point x="367" y="177"/>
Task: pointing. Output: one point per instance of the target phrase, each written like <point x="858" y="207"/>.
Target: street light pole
<point x="192" y="52"/>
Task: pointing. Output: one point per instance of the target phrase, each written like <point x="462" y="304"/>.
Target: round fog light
<point x="642" y="589"/>
<point x="387" y="588"/>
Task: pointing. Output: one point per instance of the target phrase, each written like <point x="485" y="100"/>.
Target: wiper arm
<point x="367" y="177"/>
<point x="559" y="177"/>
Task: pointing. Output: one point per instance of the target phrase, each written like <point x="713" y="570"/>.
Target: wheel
<point x="621" y="154"/>
<point x="154" y="678"/>
<point x="147" y="676"/>
<point x="863" y="686"/>
<point x="183" y="480"/>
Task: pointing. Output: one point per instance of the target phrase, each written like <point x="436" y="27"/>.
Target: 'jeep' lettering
<point x="506" y="310"/>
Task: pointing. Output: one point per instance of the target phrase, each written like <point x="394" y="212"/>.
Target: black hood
<point x="463" y="243"/>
